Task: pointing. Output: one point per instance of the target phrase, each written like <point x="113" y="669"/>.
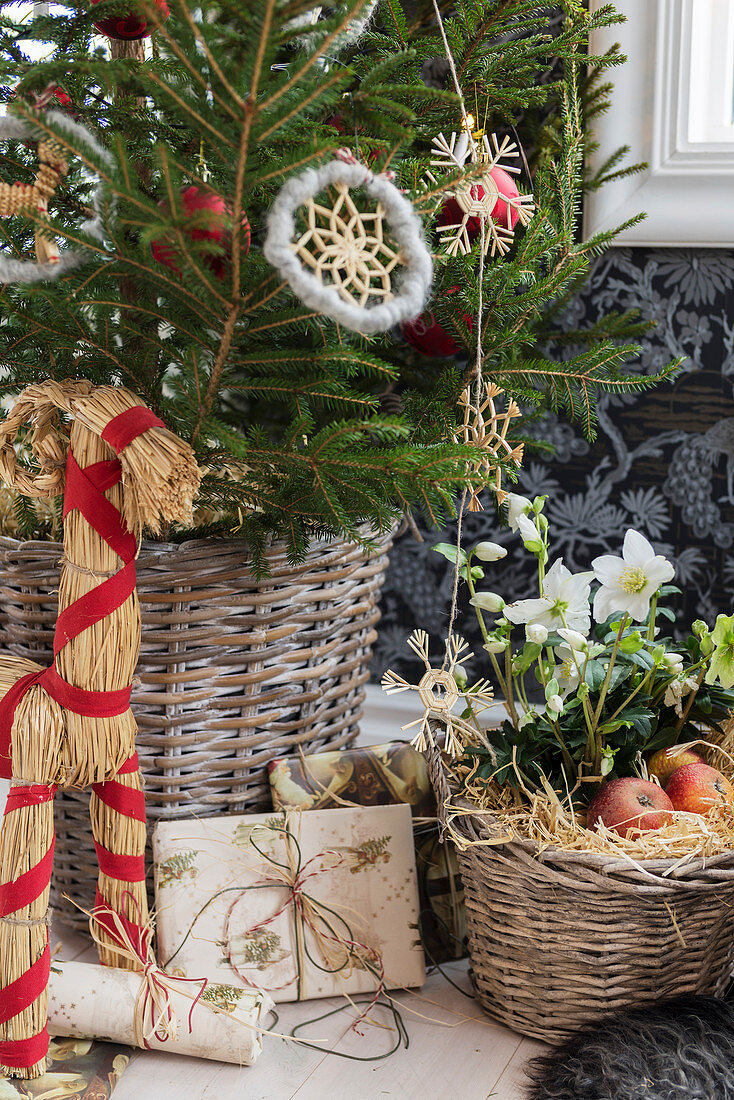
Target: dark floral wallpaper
<point x="663" y="461"/>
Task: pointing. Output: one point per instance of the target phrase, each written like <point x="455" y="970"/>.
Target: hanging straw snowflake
<point x="476" y="201"/>
<point x="439" y="693"/>
<point x="485" y="427"/>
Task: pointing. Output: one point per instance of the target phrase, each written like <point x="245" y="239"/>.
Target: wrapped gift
<point x="380" y="775"/>
<point x="302" y="905"/>
<point x="383" y="775"/>
<point x="78" y="1069"/>
<point x="443" y="915"/>
<point x="211" y="1020"/>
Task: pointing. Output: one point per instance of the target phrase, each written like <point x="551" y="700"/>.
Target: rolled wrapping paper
<point x="88" y="1001"/>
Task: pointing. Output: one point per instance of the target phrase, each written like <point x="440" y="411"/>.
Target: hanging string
<point x="478" y="368"/>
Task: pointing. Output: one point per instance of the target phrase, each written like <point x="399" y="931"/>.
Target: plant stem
<point x="598" y="745"/>
<point x="691" y="699"/>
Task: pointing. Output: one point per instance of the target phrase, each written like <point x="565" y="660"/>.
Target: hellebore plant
<point x="585" y="703"/>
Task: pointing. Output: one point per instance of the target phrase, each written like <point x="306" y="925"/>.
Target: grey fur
<point x="681" y="1049"/>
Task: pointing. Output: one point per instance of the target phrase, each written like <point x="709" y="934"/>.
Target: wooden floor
<point x="455" y="1053"/>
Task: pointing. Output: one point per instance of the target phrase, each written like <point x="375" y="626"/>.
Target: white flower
<point x="495" y="647"/>
<point x="487" y="601"/>
<point x="676" y="691"/>
<point x="629" y="583"/>
<point x="567" y="673"/>
<point x="672" y="663"/>
<point x="529" y="533"/>
<point x="516" y="506"/>
<point x="576" y="640"/>
<point x="564" y="603"/>
<point x="489" y="551"/>
<point x="555" y="704"/>
<point x="536" y="632"/>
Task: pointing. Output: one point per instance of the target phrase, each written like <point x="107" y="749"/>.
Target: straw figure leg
<point x="117" y="809"/>
<point x="26" y="858"/>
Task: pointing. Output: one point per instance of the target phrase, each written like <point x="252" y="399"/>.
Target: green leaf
<point x="449" y="551"/>
<point x="595" y="674"/>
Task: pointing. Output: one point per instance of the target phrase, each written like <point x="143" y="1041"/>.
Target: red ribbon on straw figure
<point x="85" y="488"/>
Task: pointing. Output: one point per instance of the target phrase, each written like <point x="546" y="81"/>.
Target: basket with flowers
<point x="595" y="823"/>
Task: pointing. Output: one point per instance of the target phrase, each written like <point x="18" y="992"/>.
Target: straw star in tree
<point x="485" y="426"/>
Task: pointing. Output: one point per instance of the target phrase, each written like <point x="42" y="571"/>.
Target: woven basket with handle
<point x="233" y="672"/>
<point x="559" y="939"/>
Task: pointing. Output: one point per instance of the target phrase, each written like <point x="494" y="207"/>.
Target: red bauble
<point x="452" y="214"/>
<point x="218" y="229"/>
<point x="429" y="337"/>
<point x="130" y="25"/>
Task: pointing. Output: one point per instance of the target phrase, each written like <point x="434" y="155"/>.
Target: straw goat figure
<point x="70" y="724"/>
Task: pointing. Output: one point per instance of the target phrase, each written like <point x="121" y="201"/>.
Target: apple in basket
<point x="664" y="762"/>
<point x="629" y="806"/>
<point x="697" y="788"/>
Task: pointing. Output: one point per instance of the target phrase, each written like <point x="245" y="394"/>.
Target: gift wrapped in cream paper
<point x="100" y="1002"/>
<point x="302" y="905"/>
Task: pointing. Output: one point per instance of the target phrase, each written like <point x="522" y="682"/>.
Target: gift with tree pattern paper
<point x="303" y="905"/>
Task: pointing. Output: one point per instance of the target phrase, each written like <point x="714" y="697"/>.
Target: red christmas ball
<point x="130" y="25"/>
<point x="218" y="228"/>
<point x="429" y="337"/>
<point x="452" y="213"/>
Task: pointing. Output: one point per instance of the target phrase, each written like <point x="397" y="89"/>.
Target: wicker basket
<point x="233" y="672"/>
<point x="559" y="939"/>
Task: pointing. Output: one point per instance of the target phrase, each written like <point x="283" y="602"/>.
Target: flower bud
<point x="460" y="677"/>
<point x="672" y="663"/>
<point x="536" y="632"/>
<point x="530" y="535"/>
<point x="489" y="551"/>
<point x="488" y="601"/>
<point x="575" y="639"/>
<point x="555" y="704"/>
<point x="528" y="717"/>
<point x="495" y="646"/>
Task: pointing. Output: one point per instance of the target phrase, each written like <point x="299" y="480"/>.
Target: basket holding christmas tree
<point x="595" y="826"/>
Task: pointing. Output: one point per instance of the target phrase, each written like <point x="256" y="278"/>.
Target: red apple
<point x="629" y="806"/>
<point x="697" y="788"/>
<point x="663" y="763"/>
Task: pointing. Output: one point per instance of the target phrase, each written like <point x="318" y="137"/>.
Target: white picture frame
<point x="669" y="106"/>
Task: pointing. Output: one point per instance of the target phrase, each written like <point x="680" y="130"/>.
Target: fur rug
<point x="681" y="1049"/>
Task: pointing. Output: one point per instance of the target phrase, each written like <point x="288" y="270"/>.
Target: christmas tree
<point x="185" y="140"/>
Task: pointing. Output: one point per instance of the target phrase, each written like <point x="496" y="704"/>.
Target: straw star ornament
<point x="491" y="198"/>
<point x="485" y="427"/>
<point x="348" y="247"/>
<point x="439" y="693"/>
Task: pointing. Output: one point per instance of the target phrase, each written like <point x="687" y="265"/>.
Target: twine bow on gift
<point x="153" y="1002"/>
<point x="340" y="952"/>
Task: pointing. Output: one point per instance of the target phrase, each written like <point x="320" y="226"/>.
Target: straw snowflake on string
<point x="492" y="198"/>
<point x="439" y="693"/>
<point x="485" y="427"/>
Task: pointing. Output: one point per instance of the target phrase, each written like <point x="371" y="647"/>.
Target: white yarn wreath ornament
<point x="28" y="271"/>
<point x="346" y="258"/>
